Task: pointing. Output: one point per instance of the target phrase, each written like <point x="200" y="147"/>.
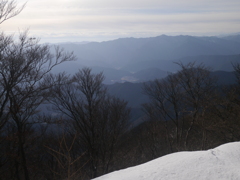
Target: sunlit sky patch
<point x="100" y="20"/>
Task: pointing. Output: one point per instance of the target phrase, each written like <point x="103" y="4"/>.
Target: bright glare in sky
<point x="98" y="20"/>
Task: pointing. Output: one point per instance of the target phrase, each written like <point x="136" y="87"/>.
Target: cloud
<point x="131" y="18"/>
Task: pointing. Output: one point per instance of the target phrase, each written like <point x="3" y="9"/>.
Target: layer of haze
<point x="99" y="20"/>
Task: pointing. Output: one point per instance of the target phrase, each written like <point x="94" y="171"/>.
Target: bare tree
<point x="112" y="124"/>
<point x="8" y="9"/>
<point x="166" y="104"/>
<point x="228" y="112"/>
<point x="181" y="99"/>
<point x="200" y="89"/>
<point x="25" y="74"/>
<point x="236" y="67"/>
<point x="99" y="118"/>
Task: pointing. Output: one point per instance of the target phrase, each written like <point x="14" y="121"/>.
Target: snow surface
<point x="219" y="163"/>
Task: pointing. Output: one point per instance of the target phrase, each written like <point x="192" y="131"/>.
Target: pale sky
<point x="99" y="20"/>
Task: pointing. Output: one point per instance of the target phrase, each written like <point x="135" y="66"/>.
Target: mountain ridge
<point x="118" y="53"/>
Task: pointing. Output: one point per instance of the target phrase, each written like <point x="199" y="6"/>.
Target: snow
<point x="221" y="163"/>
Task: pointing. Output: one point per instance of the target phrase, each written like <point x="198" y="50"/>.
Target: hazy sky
<point x="98" y="20"/>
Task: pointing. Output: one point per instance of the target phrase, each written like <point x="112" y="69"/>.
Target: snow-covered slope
<point x="221" y="163"/>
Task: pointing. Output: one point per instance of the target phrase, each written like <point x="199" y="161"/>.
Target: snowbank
<point x="221" y="163"/>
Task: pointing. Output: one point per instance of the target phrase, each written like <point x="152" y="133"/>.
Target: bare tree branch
<point x="9" y="9"/>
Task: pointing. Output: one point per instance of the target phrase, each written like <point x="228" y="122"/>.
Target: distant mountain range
<point x="235" y="37"/>
<point x="143" y="59"/>
<point x="120" y="52"/>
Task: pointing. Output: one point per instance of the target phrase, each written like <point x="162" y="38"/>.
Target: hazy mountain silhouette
<point x="235" y="37"/>
<point x="114" y="75"/>
<point x="118" y="53"/>
<point x="216" y="62"/>
<point x="143" y="59"/>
